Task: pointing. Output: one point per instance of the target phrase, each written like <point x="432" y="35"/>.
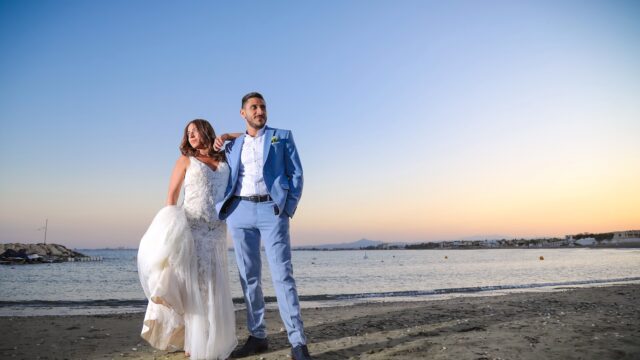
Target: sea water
<point x="325" y="277"/>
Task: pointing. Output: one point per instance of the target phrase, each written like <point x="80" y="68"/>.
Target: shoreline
<point x="586" y="323"/>
<point x="123" y="306"/>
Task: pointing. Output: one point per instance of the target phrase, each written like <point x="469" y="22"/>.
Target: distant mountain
<point x="351" y="245"/>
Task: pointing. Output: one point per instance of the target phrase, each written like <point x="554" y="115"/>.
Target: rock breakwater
<point x="17" y="253"/>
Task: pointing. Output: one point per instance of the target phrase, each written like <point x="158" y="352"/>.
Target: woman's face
<point x="194" y="136"/>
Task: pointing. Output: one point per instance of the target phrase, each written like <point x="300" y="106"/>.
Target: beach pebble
<point x="134" y="349"/>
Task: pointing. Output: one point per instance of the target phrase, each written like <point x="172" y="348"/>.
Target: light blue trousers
<point x="248" y="223"/>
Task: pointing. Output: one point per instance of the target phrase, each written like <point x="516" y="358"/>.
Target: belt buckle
<point x="254" y="198"/>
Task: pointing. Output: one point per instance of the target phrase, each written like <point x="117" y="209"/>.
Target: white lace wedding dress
<point x="182" y="263"/>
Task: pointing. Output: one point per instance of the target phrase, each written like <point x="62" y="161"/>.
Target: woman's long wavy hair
<point x="207" y="135"/>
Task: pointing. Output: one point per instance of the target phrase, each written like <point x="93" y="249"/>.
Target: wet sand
<point x="582" y="323"/>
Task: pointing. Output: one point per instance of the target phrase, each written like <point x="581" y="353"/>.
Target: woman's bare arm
<point x="177" y="178"/>
<point x="220" y="140"/>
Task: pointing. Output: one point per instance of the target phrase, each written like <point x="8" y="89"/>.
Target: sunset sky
<point x="415" y="120"/>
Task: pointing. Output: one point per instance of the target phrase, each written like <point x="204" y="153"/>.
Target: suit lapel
<point x="268" y="134"/>
<point x="235" y="157"/>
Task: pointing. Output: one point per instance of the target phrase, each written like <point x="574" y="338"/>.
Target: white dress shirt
<point x="250" y="177"/>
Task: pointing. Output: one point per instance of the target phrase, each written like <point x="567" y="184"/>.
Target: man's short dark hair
<point x="250" y="95"/>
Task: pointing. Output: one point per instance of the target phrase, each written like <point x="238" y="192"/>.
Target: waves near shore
<point x="422" y="294"/>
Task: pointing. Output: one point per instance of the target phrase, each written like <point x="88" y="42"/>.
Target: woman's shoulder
<point x="183" y="161"/>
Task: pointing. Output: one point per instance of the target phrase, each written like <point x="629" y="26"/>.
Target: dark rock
<point x="17" y="253"/>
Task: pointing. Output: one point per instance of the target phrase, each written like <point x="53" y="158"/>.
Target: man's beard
<point x="257" y="125"/>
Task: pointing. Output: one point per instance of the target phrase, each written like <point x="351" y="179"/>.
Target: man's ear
<point x="242" y="113"/>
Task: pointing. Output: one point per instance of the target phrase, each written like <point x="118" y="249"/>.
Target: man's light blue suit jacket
<point x="282" y="170"/>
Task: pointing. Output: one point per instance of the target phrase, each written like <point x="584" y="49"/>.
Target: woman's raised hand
<point x="219" y="141"/>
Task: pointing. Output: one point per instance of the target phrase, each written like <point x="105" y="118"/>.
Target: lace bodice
<point x="203" y="187"/>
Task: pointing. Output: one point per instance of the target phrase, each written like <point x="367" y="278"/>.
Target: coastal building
<point x="559" y="243"/>
<point x="586" y="241"/>
<point x="628" y="238"/>
<point x="630" y="234"/>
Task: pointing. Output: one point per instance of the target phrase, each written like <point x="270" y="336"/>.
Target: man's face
<point x="255" y="113"/>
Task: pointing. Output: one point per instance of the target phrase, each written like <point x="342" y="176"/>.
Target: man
<point x="263" y="192"/>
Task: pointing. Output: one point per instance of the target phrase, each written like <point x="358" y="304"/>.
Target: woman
<point x="182" y="258"/>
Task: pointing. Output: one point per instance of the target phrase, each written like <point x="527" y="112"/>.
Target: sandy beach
<point x="580" y="323"/>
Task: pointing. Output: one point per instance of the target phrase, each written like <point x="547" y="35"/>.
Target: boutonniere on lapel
<point x="274" y="139"/>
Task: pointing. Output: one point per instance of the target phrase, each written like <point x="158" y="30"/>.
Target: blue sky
<point x="415" y="120"/>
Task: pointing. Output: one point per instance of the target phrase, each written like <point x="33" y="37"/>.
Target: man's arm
<point x="293" y="169"/>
